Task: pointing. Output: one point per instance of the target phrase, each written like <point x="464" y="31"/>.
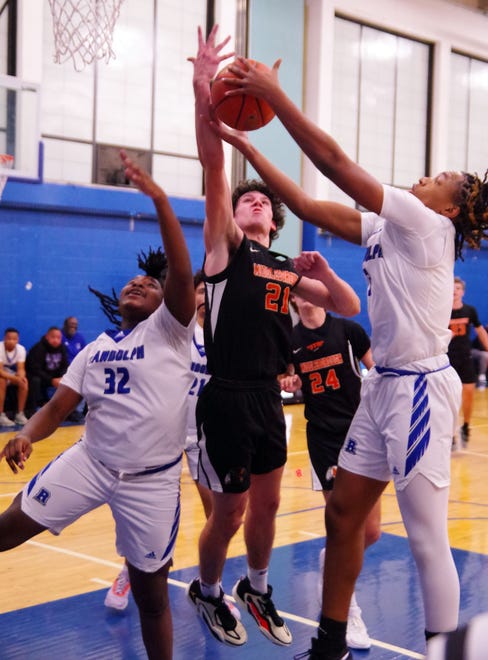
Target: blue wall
<point x="64" y="238"/>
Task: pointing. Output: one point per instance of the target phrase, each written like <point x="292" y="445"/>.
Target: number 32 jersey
<point x="135" y="384"/>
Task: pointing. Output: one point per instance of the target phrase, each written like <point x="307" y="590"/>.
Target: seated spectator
<point x="72" y="339"/>
<point x="74" y="342"/>
<point x="46" y="363"/>
<point x="12" y="375"/>
<point x="480" y="357"/>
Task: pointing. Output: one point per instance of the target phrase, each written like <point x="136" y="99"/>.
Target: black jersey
<point x="247" y="321"/>
<point x="326" y="360"/>
<point x="461" y="323"/>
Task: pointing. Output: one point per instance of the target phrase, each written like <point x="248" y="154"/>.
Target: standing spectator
<point x="327" y="351"/>
<point x="247" y="327"/>
<point x="402" y="429"/>
<point x="12" y="374"/>
<point x="46" y="363"/>
<point x="73" y="340"/>
<point x="480" y="357"/>
<point x="463" y="318"/>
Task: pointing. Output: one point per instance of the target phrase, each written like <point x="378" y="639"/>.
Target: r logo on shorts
<point x="42" y="496"/>
<point x="351" y="446"/>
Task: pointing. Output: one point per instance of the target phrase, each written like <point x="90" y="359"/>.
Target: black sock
<point x="334" y="631"/>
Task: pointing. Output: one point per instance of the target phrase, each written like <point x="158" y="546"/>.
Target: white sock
<point x="212" y="590"/>
<point x="258" y="579"/>
<point x="354" y="609"/>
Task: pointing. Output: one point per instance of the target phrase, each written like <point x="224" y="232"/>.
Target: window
<point x="468" y="112"/>
<point x="380" y="107"/>
<point x="142" y="99"/>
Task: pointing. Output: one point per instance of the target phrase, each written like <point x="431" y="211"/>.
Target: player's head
<point x="10" y="338"/>
<point x="472" y="222"/>
<point x="139" y="298"/>
<point x="462" y="197"/>
<point x="252" y="188"/>
<point x="154" y="264"/>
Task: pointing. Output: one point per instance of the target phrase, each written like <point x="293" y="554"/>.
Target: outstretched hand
<point x="140" y="177"/>
<point x="253" y="80"/>
<point x="16" y="452"/>
<point x="208" y="58"/>
<point x="238" y="139"/>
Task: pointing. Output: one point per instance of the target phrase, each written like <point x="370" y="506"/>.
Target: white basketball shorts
<point x="146" y="508"/>
<point x="404" y="426"/>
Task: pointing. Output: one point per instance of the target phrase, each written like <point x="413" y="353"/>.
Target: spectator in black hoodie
<point x="46" y="363"/>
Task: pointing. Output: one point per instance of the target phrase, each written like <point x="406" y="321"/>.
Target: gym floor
<point x="51" y="601"/>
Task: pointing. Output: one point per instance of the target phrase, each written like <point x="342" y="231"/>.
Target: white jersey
<point x="135" y="384"/>
<point x="200" y="377"/>
<point x="9" y="359"/>
<point x="409" y="267"/>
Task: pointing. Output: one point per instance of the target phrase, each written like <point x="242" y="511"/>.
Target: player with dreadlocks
<point x="155" y="264"/>
<point x="404" y="425"/>
<point x="134" y="380"/>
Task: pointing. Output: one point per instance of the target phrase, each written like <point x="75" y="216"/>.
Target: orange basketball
<point x="244" y="112"/>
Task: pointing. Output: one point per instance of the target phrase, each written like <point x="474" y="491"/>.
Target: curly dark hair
<point x="277" y="205"/>
<point x="472" y="222"/>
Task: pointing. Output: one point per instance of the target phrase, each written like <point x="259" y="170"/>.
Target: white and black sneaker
<point x="217" y="615"/>
<point x="263" y="611"/>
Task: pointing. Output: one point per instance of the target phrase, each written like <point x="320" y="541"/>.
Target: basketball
<point x="243" y="112"/>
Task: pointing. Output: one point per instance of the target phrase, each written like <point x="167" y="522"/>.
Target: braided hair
<point x="154" y="264"/>
<point x="472" y="222"/>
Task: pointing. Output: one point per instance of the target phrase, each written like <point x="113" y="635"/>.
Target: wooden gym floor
<point x="52" y="588"/>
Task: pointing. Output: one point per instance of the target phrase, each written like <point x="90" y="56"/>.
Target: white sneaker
<point x="6" y="421"/>
<point x="20" y="419"/>
<point x="357" y="634"/>
<point x="481" y="383"/>
<point x="263" y="611"/>
<point x="216" y="614"/>
<point x="118" y="595"/>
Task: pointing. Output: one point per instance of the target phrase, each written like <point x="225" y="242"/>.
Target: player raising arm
<point x="247" y="329"/>
<point x="135" y="381"/>
<point x="404" y="425"/>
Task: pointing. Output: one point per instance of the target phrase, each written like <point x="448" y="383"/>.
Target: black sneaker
<point x="214" y="611"/>
<point x="464" y="433"/>
<point x="263" y="611"/>
<point x="320" y="652"/>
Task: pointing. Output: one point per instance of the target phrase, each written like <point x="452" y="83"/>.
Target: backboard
<point x="20" y="126"/>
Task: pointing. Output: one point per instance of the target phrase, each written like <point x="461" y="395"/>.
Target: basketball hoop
<point x="83" y="30"/>
<point x="6" y="162"/>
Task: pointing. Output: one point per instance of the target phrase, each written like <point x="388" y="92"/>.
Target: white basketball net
<point x="83" y="30"/>
<point x="6" y="161"/>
